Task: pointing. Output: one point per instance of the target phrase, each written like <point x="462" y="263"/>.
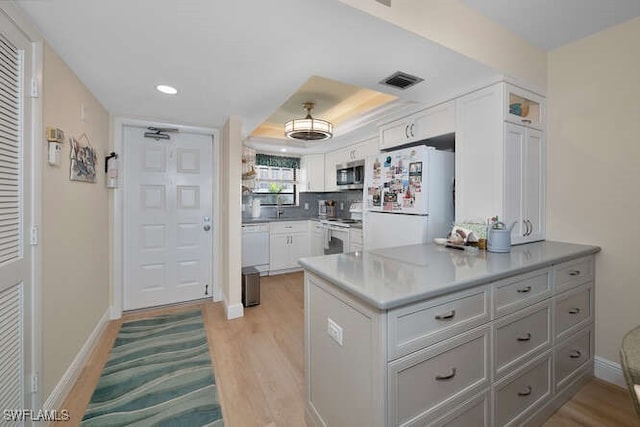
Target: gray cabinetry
<point x="505" y="352"/>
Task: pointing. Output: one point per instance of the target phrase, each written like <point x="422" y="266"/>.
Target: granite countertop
<point x="388" y="278"/>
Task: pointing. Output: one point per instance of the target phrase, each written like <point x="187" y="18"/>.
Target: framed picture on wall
<point x="83" y="160"/>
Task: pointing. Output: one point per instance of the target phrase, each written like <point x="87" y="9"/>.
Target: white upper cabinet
<point x="312" y="172"/>
<point x="523" y="185"/>
<point x="500" y="164"/>
<point x="434" y="121"/>
<point x="523" y="107"/>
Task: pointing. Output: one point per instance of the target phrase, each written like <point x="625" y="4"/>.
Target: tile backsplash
<point x="340" y="197"/>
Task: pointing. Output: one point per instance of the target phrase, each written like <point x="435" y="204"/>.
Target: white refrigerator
<point x="408" y="196"/>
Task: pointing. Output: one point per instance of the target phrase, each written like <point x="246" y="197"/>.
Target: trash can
<point x="250" y="286"/>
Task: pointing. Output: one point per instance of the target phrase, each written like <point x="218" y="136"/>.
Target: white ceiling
<point x="247" y="57"/>
<point x="549" y="24"/>
<point x="238" y="57"/>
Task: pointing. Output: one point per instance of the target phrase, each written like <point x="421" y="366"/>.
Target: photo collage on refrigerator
<point x="396" y="178"/>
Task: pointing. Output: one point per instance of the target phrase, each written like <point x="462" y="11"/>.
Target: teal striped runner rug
<point x="159" y="373"/>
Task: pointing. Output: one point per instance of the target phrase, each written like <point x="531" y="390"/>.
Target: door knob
<point x="207" y="227"/>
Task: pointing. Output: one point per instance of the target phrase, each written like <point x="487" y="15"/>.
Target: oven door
<point x="337" y="240"/>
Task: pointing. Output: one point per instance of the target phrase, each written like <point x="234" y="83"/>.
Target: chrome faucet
<point x="279" y="211"/>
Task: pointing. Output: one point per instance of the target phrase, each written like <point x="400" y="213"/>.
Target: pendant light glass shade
<point x="308" y="129"/>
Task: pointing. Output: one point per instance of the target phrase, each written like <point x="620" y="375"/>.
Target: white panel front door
<point x="168" y="218"/>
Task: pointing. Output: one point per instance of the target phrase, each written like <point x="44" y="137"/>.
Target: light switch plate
<point x="335" y="331"/>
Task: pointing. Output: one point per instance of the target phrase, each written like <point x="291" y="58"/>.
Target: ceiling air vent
<point x="401" y="80"/>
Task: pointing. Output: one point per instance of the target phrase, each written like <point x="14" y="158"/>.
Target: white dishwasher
<point x="255" y="247"/>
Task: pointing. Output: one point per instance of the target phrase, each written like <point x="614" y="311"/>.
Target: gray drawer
<point x="286" y="227"/>
<point x="518" y="292"/>
<point x="416" y="326"/>
<point x="517" y="396"/>
<point x="474" y="412"/>
<point x="572" y="273"/>
<point x="443" y="374"/>
<point x="573" y="355"/>
<point x="521" y="336"/>
<point x="573" y="310"/>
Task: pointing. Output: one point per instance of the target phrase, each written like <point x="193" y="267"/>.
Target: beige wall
<point x="231" y="213"/>
<point x="454" y="25"/>
<point x="593" y="167"/>
<point x="75" y="226"/>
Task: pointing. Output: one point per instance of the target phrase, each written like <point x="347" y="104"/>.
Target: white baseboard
<point x="233" y="311"/>
<point x="609" y="371"/>
<point x="62" y="389"/>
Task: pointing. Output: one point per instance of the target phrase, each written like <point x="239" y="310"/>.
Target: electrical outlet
<point x="334" y="330"/>
<point x="341" y="206"/>
<point x="306" y="206"/>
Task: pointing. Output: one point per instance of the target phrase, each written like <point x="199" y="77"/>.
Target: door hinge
<point x="33" y="238"/>
<point x="35" y="89"/>
<point x="34" y="383"/>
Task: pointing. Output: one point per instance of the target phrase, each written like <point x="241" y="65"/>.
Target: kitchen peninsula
<point x="427" y="335"/>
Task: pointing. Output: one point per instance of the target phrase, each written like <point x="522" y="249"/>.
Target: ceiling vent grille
<point x="401" y="80"/>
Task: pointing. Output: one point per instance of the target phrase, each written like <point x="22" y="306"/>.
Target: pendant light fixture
<point x="308" y="129"/>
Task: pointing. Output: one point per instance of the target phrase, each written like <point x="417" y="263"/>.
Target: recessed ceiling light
<point x="284" y="150"/>
<point x="169" y="90"/>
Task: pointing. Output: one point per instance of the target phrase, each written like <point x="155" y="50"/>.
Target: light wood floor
<point x="258" y="363"/>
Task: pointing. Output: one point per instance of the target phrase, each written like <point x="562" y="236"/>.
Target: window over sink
<point x="275" y="180"/>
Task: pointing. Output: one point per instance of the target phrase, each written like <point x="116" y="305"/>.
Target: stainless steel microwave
<point x="350" y="176"/>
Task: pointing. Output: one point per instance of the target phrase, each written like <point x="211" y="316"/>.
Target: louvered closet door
<point x="15" y="280"/>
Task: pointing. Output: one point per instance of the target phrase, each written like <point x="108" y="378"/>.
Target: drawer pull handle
<point x="575" y="354"/>
<point x="574" y="273"/>
<point x="524" y="290"/>
<point x="447" y="316"/>
<point x="575" y="310"/>
<point x="525" y="393"/>
<point x="525" y="337"/>
<point x="446" y="377"/>
<point x="526" y="121"/>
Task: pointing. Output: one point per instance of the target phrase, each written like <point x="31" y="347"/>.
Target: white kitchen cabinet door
<point x="330" y="161"/>
<point x="514" y="149"/>
<point x="479" y="155"/>
<point x="533" y="185"/>
<point x="429" y="123"/>
<point x="279" y="253"/>
<point x="366" y="148"/>
<point x="435" y="121"/>
<point x="395" y="134"/>
<point x="316" y="240"/>
<point x="524" y="184"/>
<point x="313" y="170"/>
<point x="299" y="248"/>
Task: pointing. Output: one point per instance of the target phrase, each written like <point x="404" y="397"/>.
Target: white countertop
<point x="388" y="278"/>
